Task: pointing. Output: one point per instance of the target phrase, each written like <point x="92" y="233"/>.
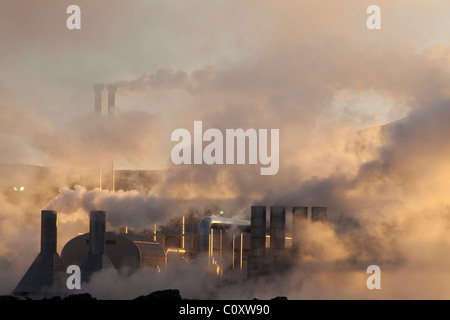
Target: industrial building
<point x="227" y="247"/>
<point x="125" y="252"/>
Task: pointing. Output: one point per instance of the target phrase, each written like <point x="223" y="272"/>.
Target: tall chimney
<point x="96" y="259"/>
<point x="111" y="99"/>
<point x="48" y="231"/>
<point x="277" y="228"/>
<point x="256" y="257"/>
<point x="97" y="231"/>
<point x="98" y="105"/>
<point x="319" y="214"/>
<point x="46" y="273"/>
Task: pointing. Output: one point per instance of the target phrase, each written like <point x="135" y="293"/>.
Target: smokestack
<point x="299" y="222"/>
<point x="96" y="259"/>
<point x="256" y="257"/>
<point x="112" y="99"/>
<point x="97" y="231"/>
<point x="277" y="228"/>
<point x="319" y="214"/>
<point x="98" y="105"/>
<point x="45" y="275"/>
<point x="48" y="231"/>
<point x="276" y="261"/>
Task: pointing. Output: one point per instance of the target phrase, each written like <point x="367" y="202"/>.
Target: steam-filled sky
<point x="297" y="60"/>
<point x="311" y="69"/>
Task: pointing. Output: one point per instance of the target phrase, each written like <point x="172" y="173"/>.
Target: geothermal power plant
<point x="225" y="248"/>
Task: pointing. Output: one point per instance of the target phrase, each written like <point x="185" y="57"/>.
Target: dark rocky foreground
<point x="161" y="295"/>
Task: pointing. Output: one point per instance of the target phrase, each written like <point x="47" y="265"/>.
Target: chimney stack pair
<point x="47" y="273"/>
<point x="98" y="89"/>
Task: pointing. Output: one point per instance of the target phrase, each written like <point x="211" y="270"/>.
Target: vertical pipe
<point x="165" y="258"/>
<point x="258" y="229"/>
<point x="220" y="252"/>
<point x="114" y="175"/>
<point x="98" y="105"/>
<point x="212" y="244"/>
<point x="233" y="250"/>
<point x="242" y="250"/>
<point x="277" y="228"/>
<point x="319" y="214"/>
<point x="111" y="99"/>
<point x="97" y="230"/>
<point x="182" y="233"/>
<point x="49" y="223"/>
<point x="257" y="256"/>
<point x="100" y="177"/>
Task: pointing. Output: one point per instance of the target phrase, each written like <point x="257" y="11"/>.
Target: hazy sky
<point x="47" y="71"/>
<point x="308" y="68"/>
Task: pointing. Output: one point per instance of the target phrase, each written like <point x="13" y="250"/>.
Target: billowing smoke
<point x="316" y="75"/>
<point x="124" y="208"/>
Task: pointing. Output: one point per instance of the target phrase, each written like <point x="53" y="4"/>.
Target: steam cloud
<point x="386" y="188"/>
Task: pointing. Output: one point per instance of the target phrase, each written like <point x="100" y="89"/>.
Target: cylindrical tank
<point x="48" y="231"/>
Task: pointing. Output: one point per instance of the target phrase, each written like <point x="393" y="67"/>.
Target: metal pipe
<point x="49" y="225"/>
<point x="242" y="251"/>
<point x="212" y="245"/>
<point x="182" y="233"/>
<point x="100" y="176"/>
<point x="98" y="105"/>
<point x="233" y="250"/>
<point x="112" y="99"/>
<point x="209" y="249"/>
<point x="114" y="175"/>
<point x="220" y="252"/>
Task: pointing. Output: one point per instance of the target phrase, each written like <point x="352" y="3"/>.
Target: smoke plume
<point x="363" y="117"/>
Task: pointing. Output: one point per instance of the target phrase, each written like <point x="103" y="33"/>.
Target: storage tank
<point x="127" y="252"/>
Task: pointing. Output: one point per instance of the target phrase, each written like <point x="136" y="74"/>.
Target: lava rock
<point x="11" y="297"/>
<point x="81" y="296"/>
<point x="279" y="298"/>
<point x="170" y="294"/>
<point x="53" y="298"/>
